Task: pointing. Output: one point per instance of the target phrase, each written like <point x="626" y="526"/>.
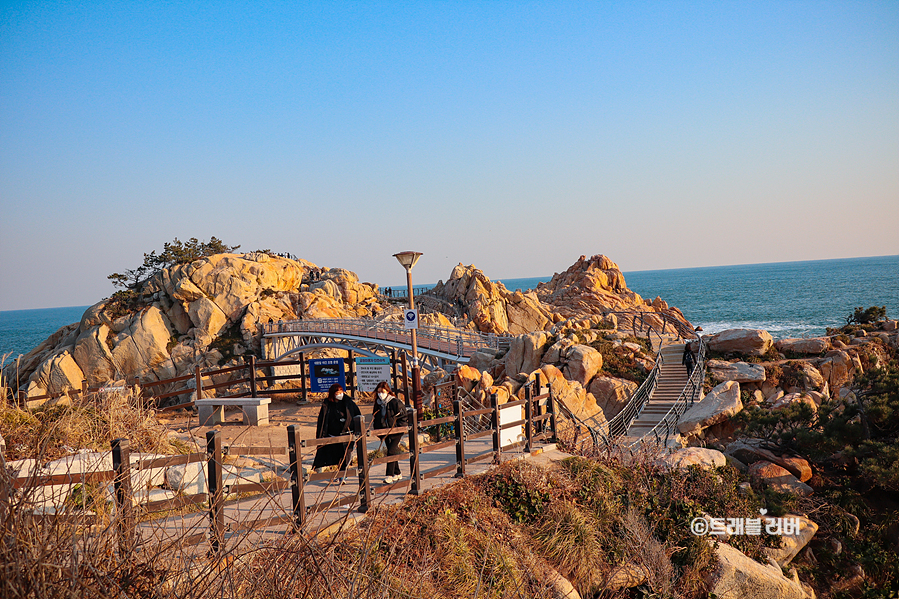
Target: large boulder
<point x="700" y="457"/>
<point x="778" y="478"/>
<point x="572" y="394"/>
<point x="794" y="542"/>
<point x="812" y="346"/>
<point x="611" y="393"/>
<point x="582" y="362"/>
<point x="525" y="352"/>
<point x="740" y="577"/>
<point x="721" y="403"/>
<point x="740" y="372"/>
<point x="746" y="342"/>
<point x="58" y="374"/>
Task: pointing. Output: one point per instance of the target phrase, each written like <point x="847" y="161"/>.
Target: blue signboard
<point x="325" y="373"/>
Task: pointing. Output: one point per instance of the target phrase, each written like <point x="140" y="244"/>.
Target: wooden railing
<point x="539" y="426"/>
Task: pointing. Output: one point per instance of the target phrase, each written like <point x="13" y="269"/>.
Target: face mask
<point x="338" y="396"/>
<point x="382" y="395"/>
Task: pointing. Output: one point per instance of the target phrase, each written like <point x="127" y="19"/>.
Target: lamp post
<point x="408" y="260"/>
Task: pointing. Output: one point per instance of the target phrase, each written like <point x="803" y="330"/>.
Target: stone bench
<point x="255" y="410"/>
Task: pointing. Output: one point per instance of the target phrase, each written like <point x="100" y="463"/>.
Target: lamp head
<point x="407" y="259"/>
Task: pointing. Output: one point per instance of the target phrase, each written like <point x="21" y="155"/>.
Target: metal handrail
<point x="463" y="340"/>
<point x="619" y="424"/>
<point x="686" y="400"/>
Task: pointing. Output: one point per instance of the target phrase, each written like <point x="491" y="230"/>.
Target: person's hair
<point x="385" y="386"/>
<point x="332" y="392"/>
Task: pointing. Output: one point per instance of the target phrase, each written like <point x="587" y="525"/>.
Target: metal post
<point x="361" y="433"/>
<point x="460" y="439"/>
<point x="406" y="381"/>
<point x="121" y="463"/>
<point x="416" y="371"/>
<point x="497" y="440"/>
<point x="351" y="384"/>
<point x="216" y="492"/>
<point x="199" y="382"/>
<point x="414" y="467"/>
<point x="393" y="361"/>
<point x="252" y="376"/>
<point x="295" y="455"/>
<point x="303" y="376"/>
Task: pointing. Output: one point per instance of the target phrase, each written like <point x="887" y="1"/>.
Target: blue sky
<point x="515" y="136"/>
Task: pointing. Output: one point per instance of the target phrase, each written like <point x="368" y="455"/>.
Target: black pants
<point x="393" y="448"/>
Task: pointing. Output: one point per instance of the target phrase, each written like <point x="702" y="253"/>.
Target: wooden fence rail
<point x="539" y="424"/>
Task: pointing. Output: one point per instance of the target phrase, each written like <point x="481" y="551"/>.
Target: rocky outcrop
<point x="746" y="342"/>
<point x="721" y="403"/>
<point x="185" y="309"/>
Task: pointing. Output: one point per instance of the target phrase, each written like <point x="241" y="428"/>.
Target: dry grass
<point x="91" y="422"/>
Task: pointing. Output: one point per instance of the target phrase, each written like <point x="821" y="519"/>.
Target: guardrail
<point x="459" y="340"/>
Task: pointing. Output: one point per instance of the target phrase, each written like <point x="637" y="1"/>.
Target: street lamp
<point x="408" y="260"/>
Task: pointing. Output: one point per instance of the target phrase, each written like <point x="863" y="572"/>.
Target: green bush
<point x="867" y="315"/>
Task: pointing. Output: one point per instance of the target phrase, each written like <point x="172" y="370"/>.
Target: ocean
<point x="788" y="299"/>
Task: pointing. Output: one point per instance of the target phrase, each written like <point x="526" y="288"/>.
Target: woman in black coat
<point x="335" y="419"/>
<point x="389" y="412"/>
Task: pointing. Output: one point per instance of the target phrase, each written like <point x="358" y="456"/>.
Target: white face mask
<point x="338" y="396"/>
<point x="382" y="395"/>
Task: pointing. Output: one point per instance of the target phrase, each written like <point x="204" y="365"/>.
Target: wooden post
<point x="360" y="431"/>
<point x="83" y="388"/>
<point x="121" y="463"/>
<point x="216" y="492"/>
<point x="199" y="380"/>
<point x="295" y="455"/>
<point x="405" y="380"/>
<point x="497" y="440"/>
<point x="414" y="462"/>
<point x="352" y="378"/>
<point x="460" y="439"/>
<point x="252" y="376"/>
<point x="23" y="399"/>
<point x="551" y="406"/>
<point x="393" y="369"/>
<point x="528" y="420"/>
<point x="303" y="376"/>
